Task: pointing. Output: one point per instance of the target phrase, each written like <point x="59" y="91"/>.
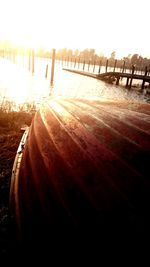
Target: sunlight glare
<point x="104" y="25"/>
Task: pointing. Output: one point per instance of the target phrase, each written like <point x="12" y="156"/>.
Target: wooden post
<point x="94" y="66"/>
<point x="79" y="63"/>
<point x="68" y="61"/>
<point x="106" y="64"/>
<point x="133" y="69"/>
<point x="75" y="63"/>
<point x="123" y="66"/>
<point x="115" y="65"/>
<point x="99" y="66"/>
<point x="52" y="67"/>
<point x="83" y="64"/>
<point x="32" y="61"/>
<point x="127" y="82"/>
<point x="118" y="78"/>
<point x="146" y="70"/>
<point x="89" y="65"/>
<point x="46" y="72"/>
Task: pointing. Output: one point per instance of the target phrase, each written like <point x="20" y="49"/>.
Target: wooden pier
<point x="113" y="76"/>
<point x="92" y="75"/>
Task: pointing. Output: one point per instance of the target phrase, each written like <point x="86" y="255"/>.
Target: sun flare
<point x="104" y="25"/>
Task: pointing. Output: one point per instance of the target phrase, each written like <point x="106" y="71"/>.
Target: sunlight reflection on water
<point x="19" y="85"/>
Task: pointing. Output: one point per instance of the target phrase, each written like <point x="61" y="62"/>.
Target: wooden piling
<point x="99" y="66"/>
<point x="143" y="83"/>
<point x="127" y="82"/>
<point x="115" y="65"/>
<point x="68" y="61"/>
<point x="133" y="69"/>
<point x="123" y="66"/>
<point x="94" y="66"/>
<point x="75" y="62"/>
<point x="65" y="61"/>
<point x="46" y="72"/>
<point x="52" y="67"/>
<point x="106" y="64"/>
<point x="83" y="64"/>
<point x="79" y="63"/>
<point x="89" y="65"/>
<point x="118" y="78"/>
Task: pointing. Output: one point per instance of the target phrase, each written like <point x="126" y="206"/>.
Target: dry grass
<point x="10" y="135"/>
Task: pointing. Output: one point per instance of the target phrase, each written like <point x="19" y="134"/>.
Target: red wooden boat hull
<point x="84" y="171"/>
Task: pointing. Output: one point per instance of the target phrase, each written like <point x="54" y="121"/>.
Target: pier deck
<point x="112" y="76"/>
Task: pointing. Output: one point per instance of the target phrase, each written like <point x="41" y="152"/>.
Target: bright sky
<point x="106" y="25"/>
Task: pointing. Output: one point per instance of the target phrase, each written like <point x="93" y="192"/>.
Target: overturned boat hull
<point x="84" y="170"/>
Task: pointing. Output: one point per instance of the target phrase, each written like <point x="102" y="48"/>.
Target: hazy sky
<point x="108" y="25"/>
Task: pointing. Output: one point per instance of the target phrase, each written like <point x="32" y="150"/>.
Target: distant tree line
<point x="87" y="56"/>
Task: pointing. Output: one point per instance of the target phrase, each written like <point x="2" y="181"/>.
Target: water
<point x="18" y="85"/>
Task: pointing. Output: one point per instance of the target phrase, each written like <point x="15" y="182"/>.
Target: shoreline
<point x="10" y="136"/>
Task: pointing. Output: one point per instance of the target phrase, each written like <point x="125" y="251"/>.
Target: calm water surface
<point x="17" y="84"/>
